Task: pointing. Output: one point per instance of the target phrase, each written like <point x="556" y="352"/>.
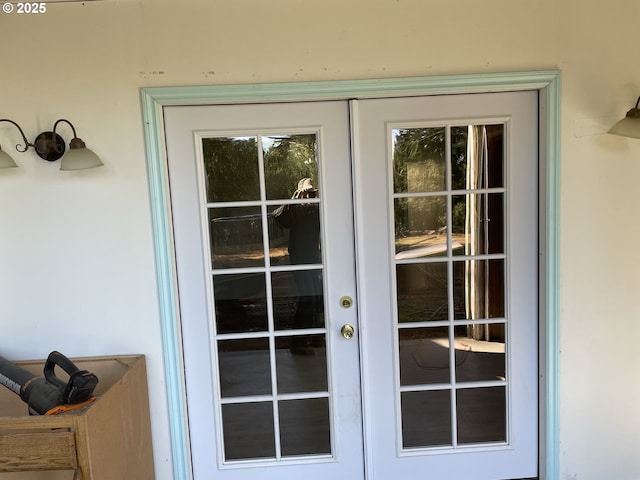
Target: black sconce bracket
<point x="50" y="146"/>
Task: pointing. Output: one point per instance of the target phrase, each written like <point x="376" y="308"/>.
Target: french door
<point x="358" y="286"/>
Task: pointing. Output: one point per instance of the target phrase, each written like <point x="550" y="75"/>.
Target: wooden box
<point x="110" y="439"/>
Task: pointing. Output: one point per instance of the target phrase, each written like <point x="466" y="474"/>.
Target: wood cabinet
<point x="109" y="439"/>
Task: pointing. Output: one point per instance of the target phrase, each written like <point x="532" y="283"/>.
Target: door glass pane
<point x="231" y="169"/>
<point x="478" y="290"/>
<point x="468" y="143"/>
<point x="248" y="430"/>
<point x="261" y="197"/>
<point x="424" y="356"/>
<point x="241" y="303"/>
<point x="298" y="299"/>
<point x="480" y="352"/>
<point x="301" y="220"/>
<point x="287" y="159"/>
<point x="421" y="226"/>
<point x="482" y="414"/>
<point x="478" y="223"/>
<point x="449" y="218"/>
<point x="426" y="418"/>
<point x="278" y="239"/>
<point x="419" y="159"/>
<point x="244" y="367"/>
<point x="422" y="292"/>
<point x="302" y="363"/>
<point x="304" y="427"/>
<point x="236" y="237"/>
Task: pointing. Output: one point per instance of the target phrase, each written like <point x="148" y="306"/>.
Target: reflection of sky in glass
<point x="267" y="142"/>
<point x="243" y="139"/>
<point x="394" y="135"/>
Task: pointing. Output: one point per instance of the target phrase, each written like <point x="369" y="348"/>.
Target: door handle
<point x="347" y="331"/>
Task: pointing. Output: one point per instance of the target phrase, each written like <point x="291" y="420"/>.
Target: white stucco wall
<point x="77" y="265"/>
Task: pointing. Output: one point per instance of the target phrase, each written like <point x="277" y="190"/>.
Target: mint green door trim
<point x="546" y="82"/>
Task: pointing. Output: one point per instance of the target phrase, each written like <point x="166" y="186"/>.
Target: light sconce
<point x="629" y="126"/>
<point x="51" y="147"/>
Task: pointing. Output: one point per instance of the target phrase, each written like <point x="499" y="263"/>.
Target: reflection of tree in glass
<point x="231" y="168"/>
<point x="232" y="171"/>
<point x="428" y="145"/>
<point x="459" y="137"/>
<point x="287" y="159"/>
<point x="426" y="148"/>
<point x="419" y="145"/>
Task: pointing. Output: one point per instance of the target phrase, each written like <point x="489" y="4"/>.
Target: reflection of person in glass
<point x="303" y="222"/>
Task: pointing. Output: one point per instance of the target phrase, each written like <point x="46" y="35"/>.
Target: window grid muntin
<point x="450" y="259"/>
<point x="271" y="333"/>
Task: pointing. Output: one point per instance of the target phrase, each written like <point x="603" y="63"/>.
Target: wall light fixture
<point x="629" y="126"/>
<point x="51" y="147"/>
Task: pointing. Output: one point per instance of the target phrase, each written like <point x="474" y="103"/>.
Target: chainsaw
<point x="50" y="395"/>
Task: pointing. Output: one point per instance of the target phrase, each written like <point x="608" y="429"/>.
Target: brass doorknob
<point x="347" y="331"/>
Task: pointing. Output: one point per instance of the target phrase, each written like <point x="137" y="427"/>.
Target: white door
<point x="271" y="382"/>
<point x="446" y="194"/>
<point x="393" y="337"/>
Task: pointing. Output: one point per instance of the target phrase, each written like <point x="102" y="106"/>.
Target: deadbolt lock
<point x="346" y="301"/>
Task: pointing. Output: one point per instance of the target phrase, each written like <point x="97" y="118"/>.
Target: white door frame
<point x="547" y="83"/>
